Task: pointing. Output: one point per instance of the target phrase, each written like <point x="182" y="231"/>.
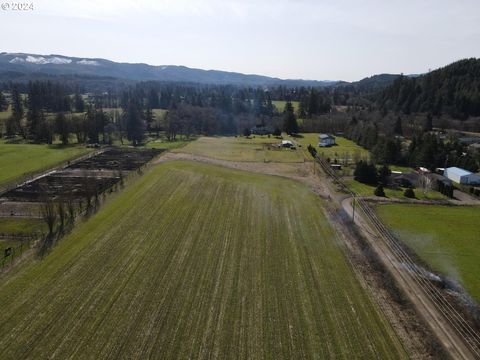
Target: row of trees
<point x="425" y="148"/>
<point x="46" y="110"/>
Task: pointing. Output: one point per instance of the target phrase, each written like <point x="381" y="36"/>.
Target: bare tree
<point x="62" y="214"/>
<point x="49" y="214"/>
<point x="70" y="205"/>
<point x="426" y="183"/>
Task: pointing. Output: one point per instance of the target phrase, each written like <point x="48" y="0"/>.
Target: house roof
<point x="458" y="171"/>
<point x="468" y="139"/>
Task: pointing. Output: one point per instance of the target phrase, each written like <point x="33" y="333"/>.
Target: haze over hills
<point x="21" y="66"/>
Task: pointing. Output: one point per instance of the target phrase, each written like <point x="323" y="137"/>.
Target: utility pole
<point x="353" y="215"/>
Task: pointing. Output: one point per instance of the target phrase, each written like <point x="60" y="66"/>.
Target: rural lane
<point x="442" y="328"/>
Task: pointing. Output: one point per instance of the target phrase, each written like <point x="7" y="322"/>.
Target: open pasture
<point x="19" y="160"/>
<point x="196" y="261"/>
<point x="254" y="149"/>
<point x="344" y="149"/>
<point x="445" y="237"/>
<point x="280" y="105"/>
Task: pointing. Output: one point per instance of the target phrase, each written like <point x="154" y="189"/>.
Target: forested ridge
<point x="452" y="90"/>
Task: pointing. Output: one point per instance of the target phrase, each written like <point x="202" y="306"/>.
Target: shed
<point x="288" y="144"/>
<point x="461" y="176"/>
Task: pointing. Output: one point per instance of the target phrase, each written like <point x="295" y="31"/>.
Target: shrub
<point x="366" y="173"/>
<point x="409" y="193"/>
<point x="379" y="191"/>
<point x="384" y="173"/>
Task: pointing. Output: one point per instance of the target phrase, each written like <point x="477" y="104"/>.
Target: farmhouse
<point x="326" y="140"/>
<point x="461" y="176"/>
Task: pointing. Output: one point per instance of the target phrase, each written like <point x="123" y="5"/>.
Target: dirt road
<point x="440" y="325"/>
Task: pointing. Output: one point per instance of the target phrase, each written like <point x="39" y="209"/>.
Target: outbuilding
<point x="288" y="144"/>
<point x="461" y="176"/>
<point x="326" y="140"/>
<point x="260" y="130"/>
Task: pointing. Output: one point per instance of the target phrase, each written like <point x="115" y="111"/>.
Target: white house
<point x="325" y="140"/>
<point x="461" y="176"/>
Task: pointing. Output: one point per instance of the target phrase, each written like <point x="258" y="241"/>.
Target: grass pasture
<point x="368" y="190"/>
<point x="280" y="105"/>
<point x="195" y="261"/>
<point x="17" y="160"/>
<point x="446" y="238"/>
<point x="4" y="115"/>
<point x="242" y="149"/>
<point x="343" y="148"/>
<point x="14" y="225"/>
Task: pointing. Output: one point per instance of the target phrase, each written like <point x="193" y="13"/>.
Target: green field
<point x="13" y="225"/>
<point x="4" y="115"/>
<point x="17" y="160"/>
<point x="242" y="149"/>
<point x="343" y="148"/>
<point x="368" y="190"/>
<point x="445" y="237"/>
<point x="195" y="261"/>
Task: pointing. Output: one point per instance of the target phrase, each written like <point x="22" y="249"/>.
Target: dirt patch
<point x="302" y="172"/>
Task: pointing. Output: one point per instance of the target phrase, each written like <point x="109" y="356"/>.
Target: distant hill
<point x="370" y="84"/>
<point x="453" y="89"/>
<point x="22" y="67"/>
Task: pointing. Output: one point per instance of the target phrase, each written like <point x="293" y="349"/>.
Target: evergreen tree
<point x="62" y="127"/>
<point x="397" y="128"/>
<point x="79" y="103"/>
<point x="313" y="105"/>
<point x="135" y="123"/>
<point x="93" y="129"/>
<point x="289" y="119"/>
<point x="409" y="193"/>
<point x="17" y="109"/>
<point x="3" y="102"/>
<point x="428" y="126"/>
<point x="383" y="174"/>
<point x="365" y="172"/>
<point x="379" y="191"/>
<point x="149" y="119"/>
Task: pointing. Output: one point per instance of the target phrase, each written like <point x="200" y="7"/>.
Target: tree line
<point x="41" y="110"/>
<point x="425" y="148"/>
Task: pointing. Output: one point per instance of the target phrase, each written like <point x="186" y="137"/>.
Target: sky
<point x="307" y="39"/>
